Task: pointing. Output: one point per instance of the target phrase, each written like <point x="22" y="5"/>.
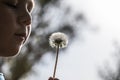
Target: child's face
<point x="15" y="25"/>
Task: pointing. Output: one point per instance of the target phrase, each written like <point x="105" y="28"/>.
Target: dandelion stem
<point x="56" y="61"/>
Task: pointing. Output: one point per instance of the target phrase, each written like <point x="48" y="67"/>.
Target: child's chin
<point x="10" y="53"/>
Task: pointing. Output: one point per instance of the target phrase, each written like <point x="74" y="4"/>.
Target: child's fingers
<point x="50" y="78"/>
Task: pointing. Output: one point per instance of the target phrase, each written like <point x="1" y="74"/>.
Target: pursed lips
<point x="21" y="36"/>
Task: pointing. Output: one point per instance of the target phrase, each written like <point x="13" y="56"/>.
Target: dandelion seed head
<point x="58" y="38"/>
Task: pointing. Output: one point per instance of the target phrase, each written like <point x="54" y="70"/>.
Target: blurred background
<point x="93" y="52"/>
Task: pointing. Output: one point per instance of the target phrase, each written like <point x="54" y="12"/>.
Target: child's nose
<point x="25" y="18"/>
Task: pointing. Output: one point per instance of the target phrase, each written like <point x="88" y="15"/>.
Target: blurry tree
<point x="48" y="16"/>
<point x="108" y="73"/>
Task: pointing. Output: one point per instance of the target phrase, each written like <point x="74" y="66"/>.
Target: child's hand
<point x="50" y="78"/>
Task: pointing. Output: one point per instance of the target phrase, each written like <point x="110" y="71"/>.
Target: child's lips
<point x="21" y="36"/>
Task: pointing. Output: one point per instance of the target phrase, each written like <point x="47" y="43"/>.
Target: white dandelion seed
<point x="58" y="38"/>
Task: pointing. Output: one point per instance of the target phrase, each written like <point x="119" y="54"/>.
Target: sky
<point x="85" y="58"/>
